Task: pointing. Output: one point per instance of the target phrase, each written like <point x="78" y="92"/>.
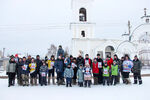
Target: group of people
<point x="70" y="70"/>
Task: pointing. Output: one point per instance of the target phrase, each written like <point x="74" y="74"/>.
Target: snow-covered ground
<point x="54" y="92"/>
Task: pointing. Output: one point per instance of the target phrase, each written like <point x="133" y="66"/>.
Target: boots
<point x="53" y="79"/>
<point x="140" y="82"/>
<point x="135" y="82"/>
<point x="85" y="83"/>
<point x="74" y="81"/>
<point x="89" y="83"/>
<point x="49" y="80"/>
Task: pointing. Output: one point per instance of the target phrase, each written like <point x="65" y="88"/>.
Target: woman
<point x="11" y="71"/>
<point x="95" y="71"/>
<point x="127" y="65"/>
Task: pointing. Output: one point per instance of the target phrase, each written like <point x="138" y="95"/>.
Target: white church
<point x="84" y="42"/>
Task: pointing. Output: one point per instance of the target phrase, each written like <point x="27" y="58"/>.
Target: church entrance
<point x="109" y="51"/>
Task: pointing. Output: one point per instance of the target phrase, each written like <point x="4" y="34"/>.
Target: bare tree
<point x="52" y="51"/>
<point x="66" y="51"/>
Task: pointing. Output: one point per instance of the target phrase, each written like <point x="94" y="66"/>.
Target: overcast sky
<point x="30" y="26"/>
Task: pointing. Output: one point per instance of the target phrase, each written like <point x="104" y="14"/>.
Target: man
<point x="137" y="66"/>
<point x="100" y="67"/>
<point x="87" y="60"/>
<point x="39" y="64"/>
<point x="60" y="52"/>
<point x="59" y="65"/>
<point x="80" y="61"/>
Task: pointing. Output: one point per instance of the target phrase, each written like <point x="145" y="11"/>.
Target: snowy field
<point x="54" y="92"/>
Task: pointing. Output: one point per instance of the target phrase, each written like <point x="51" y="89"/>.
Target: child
<point x="80" y="76"/>
<point x="68" y="74"/>
<point x="43" y="73"/>
<point x="95" y="71"/>
<point x="11" y="72"/>
<point x="74" y="67"/>
<point x="33" y="73"/>
<point x="114" y="73"/>
<point x="87" y="75"/>
<point x="106" y="74"/>
<point x="51" y="70"/>
<point x="25" y="73"/>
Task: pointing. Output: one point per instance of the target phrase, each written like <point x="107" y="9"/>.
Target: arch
<point x="101" y="47"/>
<point x="138" y="31"/>
<point x="82" y="14"/>
<point x="109" y="51"/>
<point x="126" y="47"/>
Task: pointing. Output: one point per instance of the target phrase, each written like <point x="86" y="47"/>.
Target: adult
<point x="59" y="65"/>
<point x="18" y="69"/>
<point x="11" y="71"/>
<point x="95" y="71"/>
<point x="100" y="67"/>
<point x="137" y="66"/>
<point x="29" y="59"/>
<point x="87" y="60"/>
<point x="127" y="65"/>
<point x="121" y="68"/>
<point x="109" y="61"/>
<point x="74" y="67"/>
<point x="80" y="61"/>
<point x="39" y="64"/>
<point x="60" y="52"/>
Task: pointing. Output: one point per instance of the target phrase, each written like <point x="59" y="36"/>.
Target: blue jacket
<point x="68" y="73"/>
<point x="25" y="68"/>
<point x="80" y="75"/>
<point x="59" y="65"/>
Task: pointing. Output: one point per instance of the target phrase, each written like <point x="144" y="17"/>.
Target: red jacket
<point x="95" y="68"/>
<point x="110" y="62"/>
<point x="89" y="60"/>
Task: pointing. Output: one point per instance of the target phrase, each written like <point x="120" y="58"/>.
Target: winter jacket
<point x="50" y="64"/>
<point x="43" y="70"/>
<point x="68" y="73"/>
<point x="67" y="61"/>
<point x="80" y="61"/>
<point x="110" y="62"/>
<point x="114" y="70"/>
<point x="87" y="72"/>
<point x="95" y="68"/>
<point x="106" y="71"/>
<point x="32" y="67"/>
<point x="100" y="63"/>
<point x="89" y="61"/>
<point x="39" y="64"/>
<point x="60" y="52"/>
<point x="19" y="67"/>
<point x="127" y="65"/>
<point x="80" y="75"/>
<point x="11" y="67"/>
<point x="25" y="68"/>
<point x="59" y="65"/>
<point x="137" y="65"/>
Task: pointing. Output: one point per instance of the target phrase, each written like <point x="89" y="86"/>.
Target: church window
<point x="82" y="14"/>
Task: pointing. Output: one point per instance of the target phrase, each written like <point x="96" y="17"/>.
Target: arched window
<point x="83" y="33"/>
<point x="82" y="14"/>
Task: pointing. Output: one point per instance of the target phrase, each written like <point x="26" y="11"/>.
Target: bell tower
<point x="82" y="27"/>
